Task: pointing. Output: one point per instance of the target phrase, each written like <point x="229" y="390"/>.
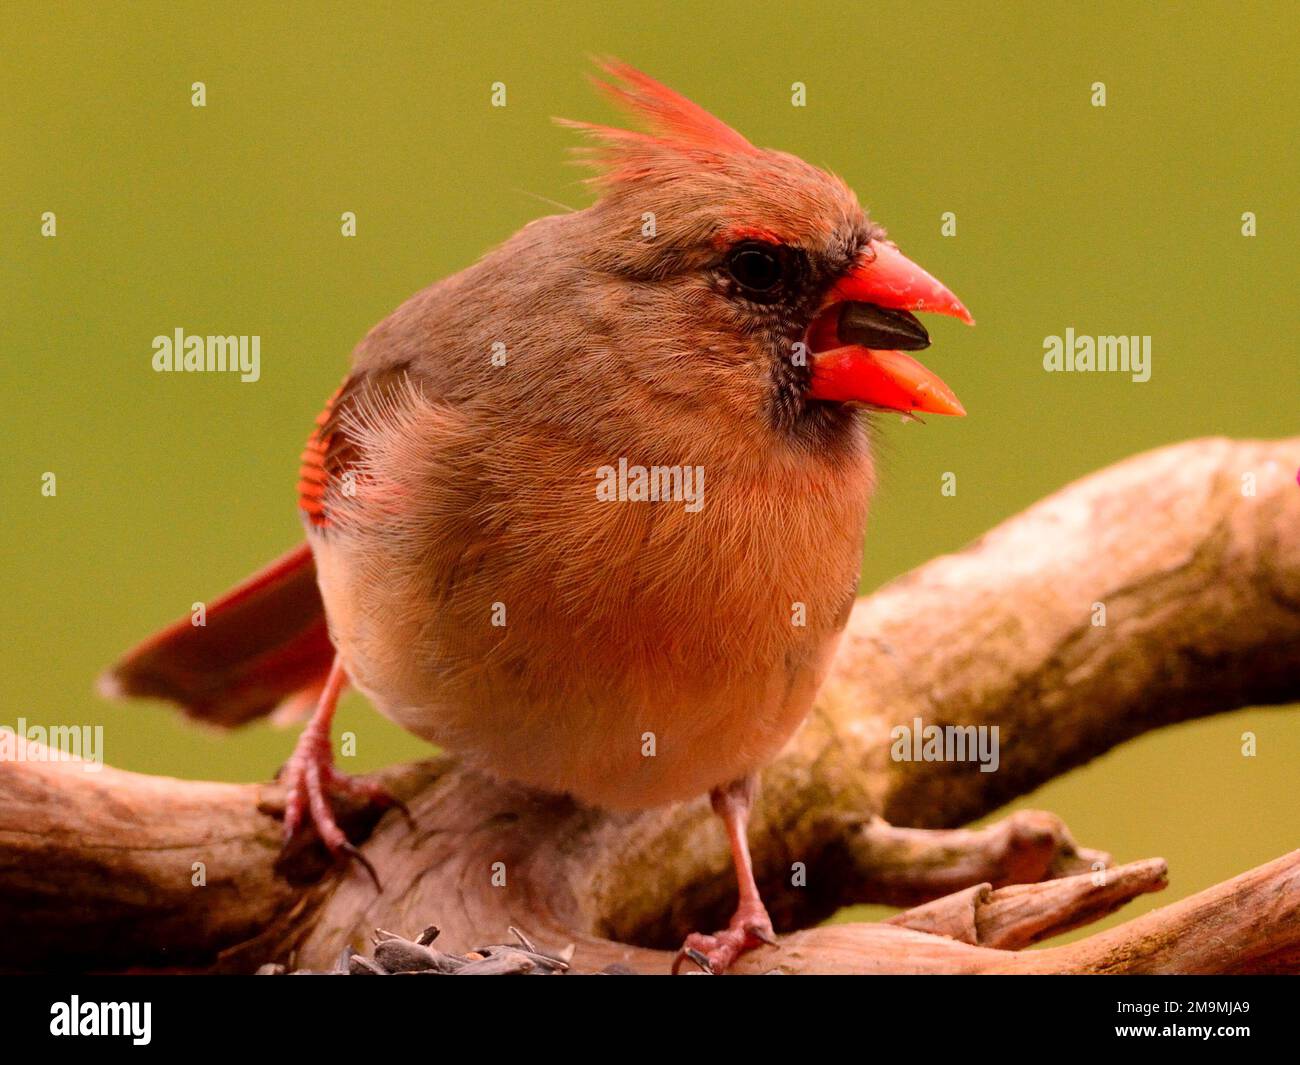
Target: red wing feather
<point x="313" y="473"/>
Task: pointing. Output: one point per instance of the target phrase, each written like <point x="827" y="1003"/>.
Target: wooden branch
<point x="1201" y="589"/>
<point x="1250" y="924"/>
<point x="901" y="865"/>
<point x="1013" y="917"/>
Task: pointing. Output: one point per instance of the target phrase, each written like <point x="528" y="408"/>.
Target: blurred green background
<point x="225" y="219"/>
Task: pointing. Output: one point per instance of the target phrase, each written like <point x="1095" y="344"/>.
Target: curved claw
<point x="311" y="777"/>
<point x="350" y="849"/>
<point x="404" y="810"/>
<point x="716" y="953"/>
<point x="698" y="957"/>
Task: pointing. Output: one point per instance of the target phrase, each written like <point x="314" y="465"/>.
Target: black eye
<point x="757" y="268"/>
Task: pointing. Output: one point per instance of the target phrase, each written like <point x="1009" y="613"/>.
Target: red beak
<point x="852" y="360"/>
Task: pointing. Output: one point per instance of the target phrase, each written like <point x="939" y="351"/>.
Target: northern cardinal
<point x="721" y="313"/>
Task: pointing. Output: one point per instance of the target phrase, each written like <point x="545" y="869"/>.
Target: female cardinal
<point x="714" y="320"/>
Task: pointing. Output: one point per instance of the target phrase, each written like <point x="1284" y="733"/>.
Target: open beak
<point x="859" y="339"/>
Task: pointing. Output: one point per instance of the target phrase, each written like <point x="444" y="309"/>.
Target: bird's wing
<point x="265" y="642"/>
<point x="333" y="449"/>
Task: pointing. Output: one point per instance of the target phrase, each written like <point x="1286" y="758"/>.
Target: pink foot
<point x="311" y="779"/>
<point x="715" y="954"/>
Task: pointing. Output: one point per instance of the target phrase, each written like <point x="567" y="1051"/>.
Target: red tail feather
<point x="264" y="642"/>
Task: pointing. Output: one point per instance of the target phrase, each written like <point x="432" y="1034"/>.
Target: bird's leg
<point x="750" y="926"/>
<point x="310" y="777"/>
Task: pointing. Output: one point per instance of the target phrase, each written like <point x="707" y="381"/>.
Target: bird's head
<point x="755" y="265"/>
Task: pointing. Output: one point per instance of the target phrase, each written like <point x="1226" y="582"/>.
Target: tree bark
<point x="1200" y="584"/>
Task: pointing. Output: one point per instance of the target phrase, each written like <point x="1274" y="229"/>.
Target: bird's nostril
<point x="881" y="328"/>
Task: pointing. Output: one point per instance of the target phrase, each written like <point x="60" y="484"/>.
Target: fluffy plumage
<point x="721" y="308"/>
<point x="476" y="485"/>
